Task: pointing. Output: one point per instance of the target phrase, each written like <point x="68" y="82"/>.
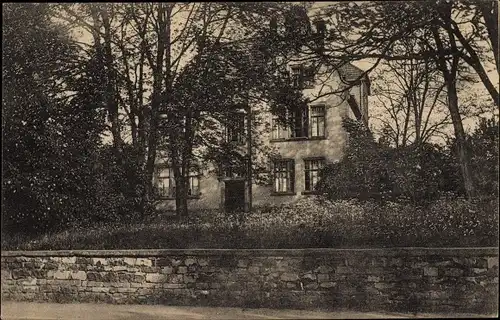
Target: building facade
<point x="300" y="149"/>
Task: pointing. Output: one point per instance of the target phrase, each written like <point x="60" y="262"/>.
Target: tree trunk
<point x="462" y="149"/>
<point x="450" y="77"/>
<point x="157" y="100"/>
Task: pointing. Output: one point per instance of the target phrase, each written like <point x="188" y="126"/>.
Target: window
<point x="312" y="168"/>
<point x="166" y="183"/>
<point x="296" y="76"/>
<point x="193" y="184"/>
<point x="237" y="169"/>
<point x="300" y="123"/>
<point x="317" y="125"/>
<point x="284" y="176"/>
<point x="302" y="76"/>
<point x="280" y="131"/>
<point x="235" y="131"/>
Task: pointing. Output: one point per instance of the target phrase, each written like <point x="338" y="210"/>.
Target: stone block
<point x="155" y="277"/>
<point x="100" y="289"/>
<point x="374" y="279"/>
<point x="176" y="262"/>
<point x="479" y="270"/>
<point x="94" y="276"/>
<point x="6" y="275"/>
<point x="323" y="277"/>
<point x="203" y="262"/>
<point x="323" y="269"/>
<point x="125" y="277"/>
<point x="309" y="277"/>
<point x="143" y="285"/>
<point x="126" y="290"/>
<point x="119" y="268"/>
<point x="129" y="261"/>
<point x="328" y="284"/>
<point x="167" y="270"/>
<point x="289" y="277"/>
<point x="20" y="274"/>
<point x="492" y="262"/>
<point x="68" y="260"/>
<point x="138" y="277"/>
<point x="215" y="285"/>
<point x="243" y="263"/>
<point x="431" y="271"/>
<point x="29" y="282"/>
<point x="254" y="270"/>
<point x="384" y="285"/>
<point x="439" y="295"/>
<point x="398" y="262"/>
<point x="291" y="285"/>
<point x="343" y="270"/>
<point x="453" y="272"/>
<point x="62" y="275"/>
<point x="99" y="261"/>
<point x="182" y="270"/>
<point x="93" y="283"/>
<point x="189" y="279"/>
<point x="79" y="275"/>
<point x="174" y="286"/>
<point x="202" y="285"/>
<point x="144" y="262"/>
<point x="176" y="278"/>
<point x="311" y="286"/>
<point x="31" y="289"/>
<point x="189" y="261"/>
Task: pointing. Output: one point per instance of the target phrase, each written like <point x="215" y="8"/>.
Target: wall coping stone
<point x="388" y="252"/>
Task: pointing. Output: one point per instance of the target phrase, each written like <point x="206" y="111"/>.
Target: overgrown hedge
<point x="305" y="224"/>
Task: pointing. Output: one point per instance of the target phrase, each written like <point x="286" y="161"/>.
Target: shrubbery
<point x="308" y="223"/>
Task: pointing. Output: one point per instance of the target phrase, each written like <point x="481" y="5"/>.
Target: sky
<point x="85" y="37"/>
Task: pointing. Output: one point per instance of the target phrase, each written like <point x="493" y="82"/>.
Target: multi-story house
<point x="314" y="137"/>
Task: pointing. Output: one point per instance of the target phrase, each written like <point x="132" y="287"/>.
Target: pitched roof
<point x="350" y="72"/>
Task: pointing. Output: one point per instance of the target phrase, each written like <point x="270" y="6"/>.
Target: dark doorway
<point x="234" y="197"/>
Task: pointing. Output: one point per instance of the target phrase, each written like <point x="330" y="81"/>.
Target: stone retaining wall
<point x="403" y="279"/>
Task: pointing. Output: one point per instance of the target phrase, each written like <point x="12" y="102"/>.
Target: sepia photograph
<point x="250" y="160"/>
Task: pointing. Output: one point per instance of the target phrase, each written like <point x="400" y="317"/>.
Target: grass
<point x="303" y="225"/>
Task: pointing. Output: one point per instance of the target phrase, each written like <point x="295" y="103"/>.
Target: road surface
<point x="80" y="311"/>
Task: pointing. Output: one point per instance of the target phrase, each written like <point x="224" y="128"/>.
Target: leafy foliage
<point x="372" y="171"/>
<point x="305" y="224"/>
<point x="48" y="141"/>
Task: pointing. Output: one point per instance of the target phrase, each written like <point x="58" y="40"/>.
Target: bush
<point x="371" y="171"/>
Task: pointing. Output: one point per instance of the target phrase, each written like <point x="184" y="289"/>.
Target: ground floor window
<point x="165" y="183"/>
<point x="284" y="175"/>
<point x="312" y="168"/>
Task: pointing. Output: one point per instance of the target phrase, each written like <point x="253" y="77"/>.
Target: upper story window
<point x="235" y="129"/>
<point x="305" y="123"/>
<point x="317" y="121"/>
<point x="302" y="76"/>
<point x="300" y="123"/>
<point x="279" y="130"/>
<point x="312" y="168"/>
<point x="284" y="175"/>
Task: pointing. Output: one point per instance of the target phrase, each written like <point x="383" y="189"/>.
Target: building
<point x="315" y="138"/>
